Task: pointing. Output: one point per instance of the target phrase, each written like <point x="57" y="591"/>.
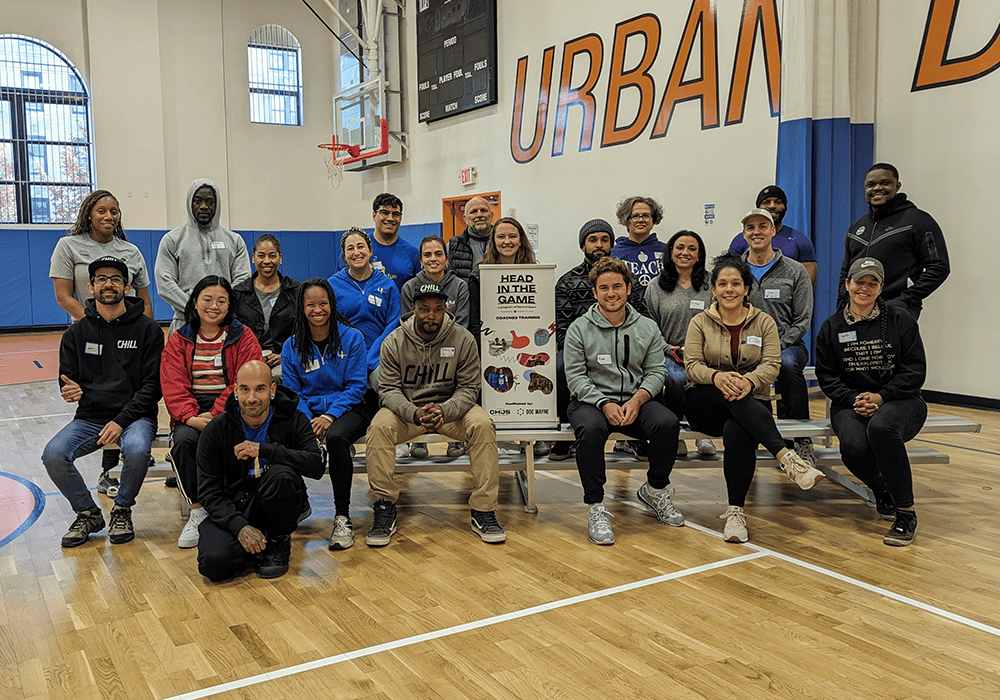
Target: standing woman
<point x="369" y="300"/>
<point x="197" y="373"/>
<point x="324" y="362"/>
<point x="732" y="353"/>
<point x="97" y="232"/>
<point x="679" y="293"/>
<point x="508" y="245"/>
<point x="265" y="303"/>
<point x="870" y="362"/>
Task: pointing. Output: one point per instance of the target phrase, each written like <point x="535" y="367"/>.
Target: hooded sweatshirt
<point x="187" y="254"/>
<point x="116" y="364"/>
<point x="643" y="259"/>
<point x="332" y="384"/>
<point x="605" y="364"/>
<point x="415" y="372"/>
<point x="451" y="284"/>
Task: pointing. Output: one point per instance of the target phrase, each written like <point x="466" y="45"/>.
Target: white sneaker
<point x="342" y="536"/>
<point x="189" y="535"/>
<point x="402" y="450"/>
<point x="799" y="471"/>
<point x="706" y="448"/>
<point x="599" y="525"/>
<point x="736" y="525"/>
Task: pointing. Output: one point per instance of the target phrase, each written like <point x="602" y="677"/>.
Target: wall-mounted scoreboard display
<point x="456" y="56"/>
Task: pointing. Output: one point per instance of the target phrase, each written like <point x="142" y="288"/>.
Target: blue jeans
<point x="673" y="388"/>
<point x="791" y="383"/>
<point x="79" y="438"/>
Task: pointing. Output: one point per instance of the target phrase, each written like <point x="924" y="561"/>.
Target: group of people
<point x="268" y="381"/>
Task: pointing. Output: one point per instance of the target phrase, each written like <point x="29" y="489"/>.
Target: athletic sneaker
<point x="561" y="450"/>
<point x="383" y="524"/>
<point x="682" y="448"/>
<point x="276" y="557"/>
<point x="455" y="450"/>
<point x="599" y="525"/>
<point x="189" y="534"/>
<point x="402" y="450"/>
<point x="306" y="511"/>
<point x="542" y="448"/>
<point x="107" y="485"/>
<point x="799" y="471"/>
<point x="885" y="506"/>
<point x="484" y="523"/>
<point x="903" y="530"/>
<point x="120" y="528"/>
<point x="621" y="447"/>
<point x="736" y="525"/>
<point x="640" y="449"/>
<point x="342" y="536"/>
<point x="804" y="448"/>
<point x="706" y="448"/>
<point x="86" y="522"/>
<point x="659" y="501"/>
<point x="418" y="450"/>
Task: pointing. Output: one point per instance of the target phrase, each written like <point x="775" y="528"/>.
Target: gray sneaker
<point x="418" y="450"/>
<point x="107" y="485"/>
<point x="599" y="525"/>
<point x="342" y="536"/>
<point x="383" y="524"/>
<point x="706" y="448"/>
<point x="485" y="524"/>
<point x="804" y="448"/>
<point x="456" y="449"/>
<point x="86" y="522"/>
<point x="120" y="528"/>
<point x="660" y="503"/>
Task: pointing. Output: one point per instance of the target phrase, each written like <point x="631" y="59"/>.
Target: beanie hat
<point x="595" y="226"/>
<point x="772" y="191"/>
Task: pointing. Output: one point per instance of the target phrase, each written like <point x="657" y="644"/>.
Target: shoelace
<point x="790" y="462"/>
<point x="663" y="502"/>
<point x="340" y="526"/>
<point x="117" y="519"/>
<point x="82" y="520"/>
<point x="487" y="521"/>
<point x="737" y="515"/>
<point x="381" y="519"/>
<point x="601" y="520"/>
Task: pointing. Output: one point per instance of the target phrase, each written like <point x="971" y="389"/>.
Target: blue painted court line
<point x="37" y="364"/>
<point x="35" y="511"/>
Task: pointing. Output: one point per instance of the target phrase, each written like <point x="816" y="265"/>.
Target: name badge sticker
<point x="448" y="351"/>
<point x="273" y="299"/>
<point x="374" y="300"/>
<point x="697" y="304"/>
<point x="313" y="365"/>
<point x="772" y="293"/>
<point x="755" y="340"/>
<point x="92" y="348"/>
<point x="847" y="337"/>
<point x="218" y="245"/>
<point x="604" y="359"/>
<point x="218" y="360"/>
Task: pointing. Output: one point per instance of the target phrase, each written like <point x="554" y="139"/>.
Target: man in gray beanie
<point x="573" y="298"/>
<point x="792" y="243"/>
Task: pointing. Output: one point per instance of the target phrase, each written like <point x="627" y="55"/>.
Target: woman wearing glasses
<point x="640" y="249"/>
<point x="96" y="233"/>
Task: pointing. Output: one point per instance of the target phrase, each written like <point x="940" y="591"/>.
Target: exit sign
<point x="467" y="176"/>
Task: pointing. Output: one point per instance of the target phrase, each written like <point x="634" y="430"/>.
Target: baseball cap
<point x="867" y="266"/>
<point x="757" y="212"/>
<point x="108" y="261"/>
<point x="430" y="289"/>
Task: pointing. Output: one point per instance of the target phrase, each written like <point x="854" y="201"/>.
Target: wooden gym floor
<point x="815" y="606"/>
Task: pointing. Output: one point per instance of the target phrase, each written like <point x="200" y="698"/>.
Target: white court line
<point x="940" y="612"/>
<point x="458" y="629"/>
<point x="50" y="415"/>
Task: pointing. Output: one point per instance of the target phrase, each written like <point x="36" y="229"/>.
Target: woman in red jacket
<point x="199" y="366"/>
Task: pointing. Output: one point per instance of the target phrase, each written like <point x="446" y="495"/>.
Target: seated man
<point x="251" y="460"/>
<point x="109" y="363"/>
<point x="614" y="367"/>
<point x="428" y="383"/>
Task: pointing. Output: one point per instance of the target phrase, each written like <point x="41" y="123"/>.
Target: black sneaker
<point x="484" y="522"/>
<point x="903" y="530"/>
<point x="383" y="524"/>
<point x="170" y="482"/>
<point x="561" y="450"/>
<point x="86" y="523"/>
<point x="107" y="485"/>
<point x="306" y="511"/>
<point x="639" y="448"/>
<point x="120" y="528"/>
<point x="274" y="560"/>
<point x="884" y="505"/>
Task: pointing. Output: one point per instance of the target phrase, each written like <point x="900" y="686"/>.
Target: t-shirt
<point x="791" y="242"/>
<point x="73" y="255"/>
<point x="399" y="261"/>
<point x="267" y="300"/>
<point x="259" y="435"/>
<point x="674" y="310"/>
<point x="759" y="270"/>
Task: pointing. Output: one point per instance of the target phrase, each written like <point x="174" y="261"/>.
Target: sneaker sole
<point x="557" y="458"/>
<point x="379" y="541"/>
<point x="490" y="538"/>
<point x="602" y="542"/>
<point x="74" y="543"/>
<point x="737" y="539"/>
<point x="272" y="574"/>
<point x="805" y="486"/>
<point x="340" y="546"/>
<point x="649" y="505"/>
<point x="304" y="514"/>
<point x="122" y="539"/>
<point x="893" y="542"/>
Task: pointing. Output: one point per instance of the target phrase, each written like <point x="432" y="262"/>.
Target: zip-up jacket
<point x="574" y="297"/>
<point x="240" y="347"/>
<point x="223" y="479"/>
<point x="909" y="244"/>
<point x="785" y="293"/>
<point x="415" y="372"/>
<point x="335" y="382"/>
<point x="371" y="306"/>
<point x="855" y="357"/>
<point x="605" y="364"/>
<point x="707" y="349"/>
<point x="116" y="364"/>
<point x="251" y="315"/>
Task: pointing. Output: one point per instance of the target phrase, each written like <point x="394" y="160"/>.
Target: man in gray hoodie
<point x="198" y="248"/>
<point x="614" y="368"/>
<point x="428" y="383"/>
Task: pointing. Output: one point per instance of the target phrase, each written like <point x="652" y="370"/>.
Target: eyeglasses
<point x="640" y="217"/>
<point x="116" y="280"/>
<point x="385" y="213"/>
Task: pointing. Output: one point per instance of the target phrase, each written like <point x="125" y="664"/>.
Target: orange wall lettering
<point x="648" y="26"/>
<point x="762" y="13"/>
<point x="524" y="155"/>
<point x="934" y="68"/>
<point x="583" y="96"/>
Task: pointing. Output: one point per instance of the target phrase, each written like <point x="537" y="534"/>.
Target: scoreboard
<point x="456" y="57"/>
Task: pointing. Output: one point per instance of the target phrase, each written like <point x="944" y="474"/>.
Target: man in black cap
<point x="574" y="296"/>
<point x="109" y="365"/>
<point x="429" y="378"/>
<point x="791" y="242"/>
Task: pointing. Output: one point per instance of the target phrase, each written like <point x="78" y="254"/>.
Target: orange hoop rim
<point x="353" y="150"/>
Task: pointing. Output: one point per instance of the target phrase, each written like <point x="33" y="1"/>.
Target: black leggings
<point x="742" y="424"/>
<point x="339" y="437"/>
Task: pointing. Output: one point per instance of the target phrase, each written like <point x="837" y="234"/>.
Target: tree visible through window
<point x="275" y="67"/>
<point x="45" y="135"/>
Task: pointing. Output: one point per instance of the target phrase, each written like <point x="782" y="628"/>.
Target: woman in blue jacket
<point x="324" y="363"/>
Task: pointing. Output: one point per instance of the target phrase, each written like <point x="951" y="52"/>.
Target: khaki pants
<point x="388" y="430"/>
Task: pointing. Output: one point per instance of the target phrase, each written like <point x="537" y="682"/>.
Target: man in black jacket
<point x="907" y="240"/>
<point x="109" y="364"/>
<point x="251" y="460"/>
<point x="467" y="249"/>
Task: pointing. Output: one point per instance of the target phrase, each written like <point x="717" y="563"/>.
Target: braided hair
<point x="302" y="333"/>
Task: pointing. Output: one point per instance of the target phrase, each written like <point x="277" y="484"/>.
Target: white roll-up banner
<point x="518" y="310"/>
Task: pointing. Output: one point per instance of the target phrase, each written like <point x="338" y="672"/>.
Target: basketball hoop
<point x="335" y="155"/>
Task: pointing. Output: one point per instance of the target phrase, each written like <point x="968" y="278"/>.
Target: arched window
<point x="274" y="60"/>
<point x="45" y="135"/>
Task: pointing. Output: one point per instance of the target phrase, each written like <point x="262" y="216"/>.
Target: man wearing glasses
<point x="109" y="365"/>
<point x="398" y="259"/>
<point x="640" y="250"/>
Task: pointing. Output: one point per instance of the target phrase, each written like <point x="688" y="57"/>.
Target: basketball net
<point x="335" y="156"/>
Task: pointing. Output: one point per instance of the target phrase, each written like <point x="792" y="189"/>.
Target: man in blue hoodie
<point x="109" y="365"/>
<point x="640" y="249"/>
<point x="614" y="368"/>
